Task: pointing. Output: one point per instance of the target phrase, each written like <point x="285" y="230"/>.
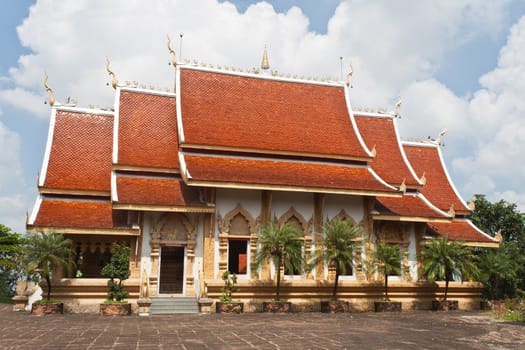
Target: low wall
<point x="84" y="295"/>
<point x="307" y="295"/>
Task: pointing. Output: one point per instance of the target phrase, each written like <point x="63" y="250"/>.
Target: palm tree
<point x="338" y="248"/>
<point x="281" y="245"/>
<point x="444" y="260"/>
<point x="48" y="252"/>
<point x="388" y="258"/>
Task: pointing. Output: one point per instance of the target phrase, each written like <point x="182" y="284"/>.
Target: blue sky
<point x="458" y="65"/>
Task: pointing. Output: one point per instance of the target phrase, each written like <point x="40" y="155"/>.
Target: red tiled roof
<point x="426" y="159"/>
<point x="219" y="110"/>
<point x="80" y="157"/>
<point x="410" y="206"/>
<point x="460" y="230"/>
<point x="75" y="213"/>
<point x="389" y="163"/>
<point x="147" y="130"/>
<point x="161" y="191"/>
<point x="259" y="173"/>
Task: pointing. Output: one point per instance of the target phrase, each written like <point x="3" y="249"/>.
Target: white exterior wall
<point x="302" y="202"/>
<point x="412" y="253"/>
<point x="226" y="200"/>
<point x="354" y="206"/>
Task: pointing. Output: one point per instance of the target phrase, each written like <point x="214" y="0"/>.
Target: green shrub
<point x="117" y="270"/>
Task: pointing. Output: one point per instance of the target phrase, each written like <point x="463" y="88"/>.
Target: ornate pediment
<point x="173" y="227"/>
<point x="238" y="222"/>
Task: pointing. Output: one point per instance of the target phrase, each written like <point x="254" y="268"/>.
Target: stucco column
<point x="154" y="276"/>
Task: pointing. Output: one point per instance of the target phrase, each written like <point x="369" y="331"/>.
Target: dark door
<point x="171" y="270"/>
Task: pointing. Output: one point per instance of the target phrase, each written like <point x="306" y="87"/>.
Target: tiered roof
<point x="74" y="185"/>
<point x="256" y="132"/>
<point x="146" y="168"/>
<point x="427" y="161"/>
<point x="158" y="151"/>
<point x="380" y="133"/>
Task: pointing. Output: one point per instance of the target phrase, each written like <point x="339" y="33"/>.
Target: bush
<point x="117" y="270"/>
<point x="230" y="280"/>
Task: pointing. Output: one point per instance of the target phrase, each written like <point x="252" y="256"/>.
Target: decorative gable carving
<point x="238" y="222"/>
<point x="173" y="227"/>
<point x="293" y="217"/>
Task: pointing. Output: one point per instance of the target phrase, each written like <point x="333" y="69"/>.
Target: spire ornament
<point x="265" y="64"/>
<point x="114" y="80"/>
<point x="50" y="90"/>
<point x="349" y="76"/>
<point x="172" y="52"/>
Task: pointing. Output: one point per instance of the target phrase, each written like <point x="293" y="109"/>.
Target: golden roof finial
<point x="50" y="90"/>
<point x="114" y="80"/>
<point x="499" y="236"/>
<point x="349" y="76"/>
<point x="265" y="62"/>
<point x="403" y="186"/>
<point x="172" y="52"/>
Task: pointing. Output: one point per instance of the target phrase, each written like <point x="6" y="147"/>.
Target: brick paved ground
<point x="407" y="330"/>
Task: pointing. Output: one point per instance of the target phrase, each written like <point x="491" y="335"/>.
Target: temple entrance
<point x="171" y="278"/>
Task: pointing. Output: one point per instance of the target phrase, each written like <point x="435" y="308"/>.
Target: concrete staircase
<point x="173" y="305"/>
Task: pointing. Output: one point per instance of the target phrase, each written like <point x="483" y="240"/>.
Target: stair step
<point x="173" y="305"/>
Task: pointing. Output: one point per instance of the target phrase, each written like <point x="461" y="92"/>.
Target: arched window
<point x="234" y="248"/>
<point x="295" y="219"/>
<point x="238" y="246"/>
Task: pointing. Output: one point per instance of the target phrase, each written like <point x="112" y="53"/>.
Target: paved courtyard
<point x="407" y="330"/>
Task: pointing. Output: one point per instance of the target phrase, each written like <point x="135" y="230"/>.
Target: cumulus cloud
<point x="25" y="100"/>
<point x="11" y="174"/>
<point x="13" y="209"/>
<point x="498" y="111"/>
<point x="13" y="198"/>
<point x="72" y="39"/>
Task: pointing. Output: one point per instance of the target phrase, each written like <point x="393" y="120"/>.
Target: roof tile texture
<point x="80" y="157"/>
<point x="407" y="206"/>
<point x="267" y="115"/>
<point x="77" y="213"/>
<point x="281" y="173"/>
<point x="155" y="191"/>
<point x="459" y="230"/>
<point x="437" y="189"/>
<point x="147" y="135"/>
<point x="389" y="163"/>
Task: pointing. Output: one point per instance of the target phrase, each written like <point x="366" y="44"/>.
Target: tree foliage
<point x="10" y="252"/>
<point x="283" y="247"/>
<point x="117" y="270"/>
<point x="500" y="216"/>
<point x="503" y="269"/>
<point x="388" y="260"/>
<point x="337" y="248"/>
<point x="446" y="260"/>
<point x="48" y="252"/>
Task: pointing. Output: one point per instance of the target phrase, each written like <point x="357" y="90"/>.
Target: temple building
<point x="187" y="180"/>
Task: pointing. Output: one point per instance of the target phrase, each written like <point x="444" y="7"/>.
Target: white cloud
<point x="511" y="197"/>
<point x="71" y="40"/>
<point x="13" y="210"/>
<point x="429" y="108"/>
<point x="25" y="100"/>
<point x="13" y="201"/>
<point x="11" y="174"/>
<point x="497" y="115"/>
